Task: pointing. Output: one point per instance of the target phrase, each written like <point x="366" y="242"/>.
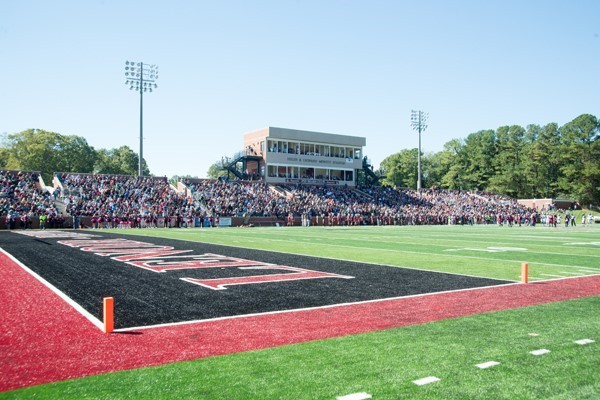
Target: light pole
<point x="418" y="120"/>
<point x="141" y="77"/>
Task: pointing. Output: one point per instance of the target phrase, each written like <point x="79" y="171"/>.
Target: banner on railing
<point x="224" y="221"/>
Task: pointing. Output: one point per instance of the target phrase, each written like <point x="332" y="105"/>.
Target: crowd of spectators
<point x="124" y="201"/>
<point x="112" y="201"/>
<point x="236" y="199"/>
<point x="340" y="205"/>
<point x="22" y="201"/>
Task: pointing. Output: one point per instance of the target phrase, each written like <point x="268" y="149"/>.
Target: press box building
<point x="281" y="156"/>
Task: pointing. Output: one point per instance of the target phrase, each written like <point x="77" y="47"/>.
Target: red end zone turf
<point x="43" y="339"/>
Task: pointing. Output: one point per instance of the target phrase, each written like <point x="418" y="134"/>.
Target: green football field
<point x="486" y="251"/>
<point x="384" y="364"/>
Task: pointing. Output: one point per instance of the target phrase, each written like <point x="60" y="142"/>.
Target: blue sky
<point x="345" y="67"/>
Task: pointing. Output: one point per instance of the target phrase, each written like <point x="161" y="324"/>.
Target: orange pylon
<point x="109" y="319"/>
<point x="524" y="273"/>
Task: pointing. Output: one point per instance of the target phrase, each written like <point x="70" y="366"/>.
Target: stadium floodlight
<point x="141" y="77"/>
<point x="418" y="120"/>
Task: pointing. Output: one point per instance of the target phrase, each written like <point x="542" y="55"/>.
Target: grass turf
<point x="385" y="363"/>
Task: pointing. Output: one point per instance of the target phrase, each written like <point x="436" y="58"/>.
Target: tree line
<point x="49" y="152"/>
<point x="533" y="162"/>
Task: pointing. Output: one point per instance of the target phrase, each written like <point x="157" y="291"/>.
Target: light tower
<point x="141" y="77"/>
<point x="419" y="123"/>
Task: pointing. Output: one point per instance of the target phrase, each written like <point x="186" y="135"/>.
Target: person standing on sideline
<point x="43" y="218"/>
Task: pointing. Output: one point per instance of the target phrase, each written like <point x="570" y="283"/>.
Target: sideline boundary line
<point x="95" y="321"/>
<point x="201" y="321"/>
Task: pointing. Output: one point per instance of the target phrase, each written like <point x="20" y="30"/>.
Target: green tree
<point x="47" y="152"/>
<point x="547" y="154"/>
<point x="478" y="154"/>
<point x="540" y="162"/>
<point x="78" y="155"/>
<point x="119" y="161"/>
<point x="532" y="162"/>
<point x="509" y="177"/>
<point x="434" y="169"/>
<point x="453" y="164"/>
<point x="4" y="156"/>
<point x="401" y="169"/>
<point x="215" y="171"/>
<point x="580" y="159"/>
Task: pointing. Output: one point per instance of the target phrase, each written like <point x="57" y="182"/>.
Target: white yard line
<point x="310" y="237"/>
<point x="329" y="245"/>
<point x="486" y="244"/>
<point x="419" y="252"/>
<point x="592" y="270"/>
<point x="359" y="261"/>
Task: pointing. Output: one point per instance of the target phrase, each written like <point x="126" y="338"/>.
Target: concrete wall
<point x="539" y="204"/>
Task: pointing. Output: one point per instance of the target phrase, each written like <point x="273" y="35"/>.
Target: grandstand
<point x="116" y="201"/>
<point x="282" y="177"/>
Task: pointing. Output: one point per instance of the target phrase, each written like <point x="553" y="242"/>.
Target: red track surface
<point x="43" y="339"/>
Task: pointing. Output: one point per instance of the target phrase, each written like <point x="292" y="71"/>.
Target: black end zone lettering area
<point x="143" y="297"/>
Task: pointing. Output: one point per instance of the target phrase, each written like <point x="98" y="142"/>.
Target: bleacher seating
<point x="22" y="200"/>
<point x="131" y="201"/>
